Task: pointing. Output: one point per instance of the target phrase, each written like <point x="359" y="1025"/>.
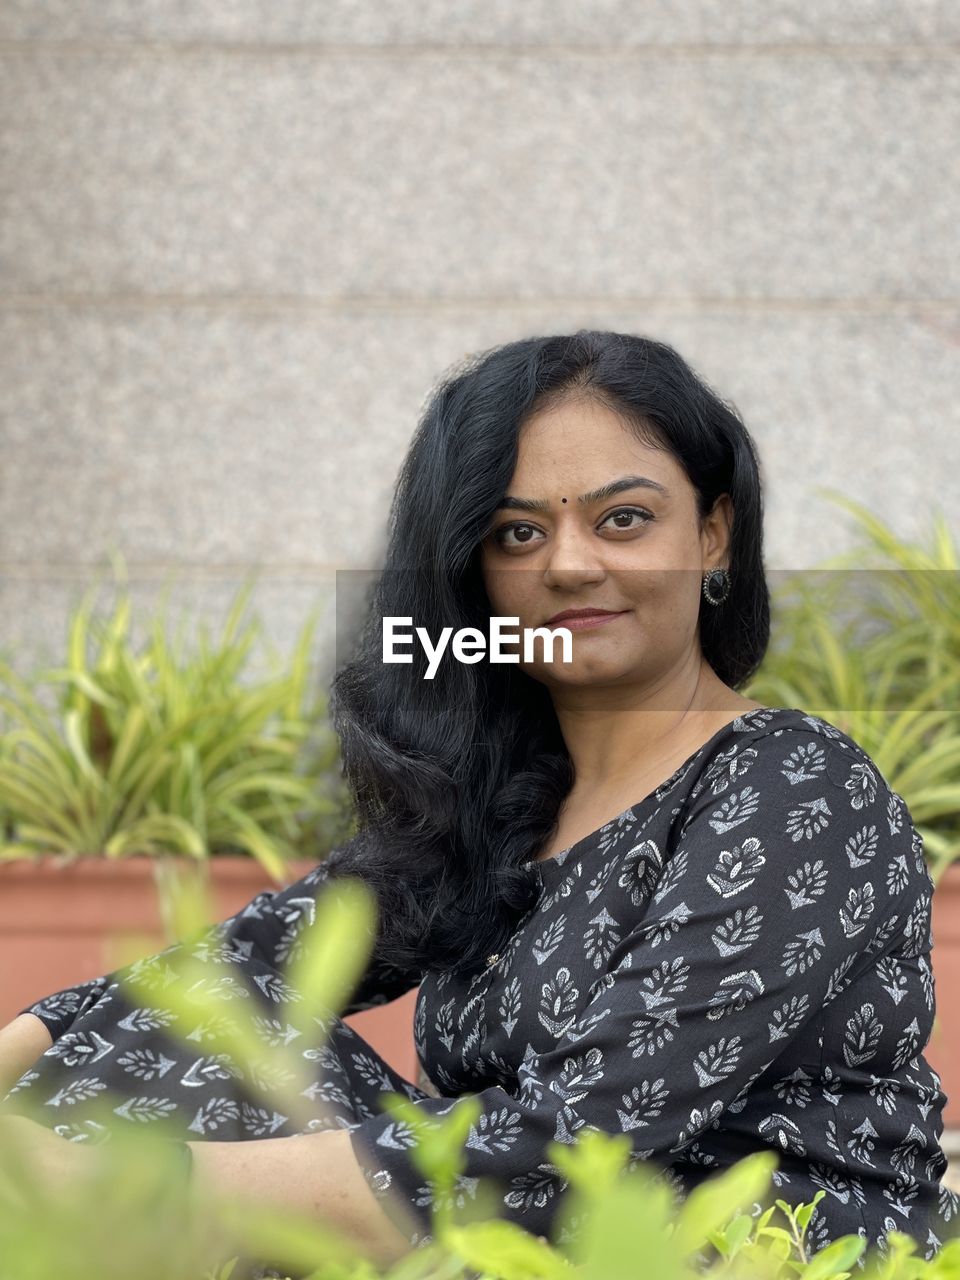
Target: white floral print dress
<point x="739" y="962"/>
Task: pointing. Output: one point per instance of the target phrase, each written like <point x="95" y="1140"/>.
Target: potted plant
<point x="870" y="640"/>
<point x="128" y="774"/>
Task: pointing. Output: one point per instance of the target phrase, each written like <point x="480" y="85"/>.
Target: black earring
<point x="716" y="586"/>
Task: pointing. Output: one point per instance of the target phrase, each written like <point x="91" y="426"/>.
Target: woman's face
<point x="637" y="552"/>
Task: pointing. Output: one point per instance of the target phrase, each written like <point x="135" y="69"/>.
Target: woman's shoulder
<point x="785" y="747"/>
<point x="791" y="780"/>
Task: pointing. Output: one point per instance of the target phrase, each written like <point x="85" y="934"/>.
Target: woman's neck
<point x="617" y="735"/>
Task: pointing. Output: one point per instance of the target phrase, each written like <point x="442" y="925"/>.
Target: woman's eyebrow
<point x="594" y="495"/>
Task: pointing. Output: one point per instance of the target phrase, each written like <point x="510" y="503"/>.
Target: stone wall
<point x="241" y="241"/>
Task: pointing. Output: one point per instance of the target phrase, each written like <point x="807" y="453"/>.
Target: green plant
<point x="155" y="752"/>
<point x="870" y="640"/>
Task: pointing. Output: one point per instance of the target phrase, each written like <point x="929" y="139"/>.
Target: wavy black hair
<point x="458" y="780"/>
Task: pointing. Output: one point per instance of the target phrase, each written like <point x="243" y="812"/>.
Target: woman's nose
<point x="573" y="556"/>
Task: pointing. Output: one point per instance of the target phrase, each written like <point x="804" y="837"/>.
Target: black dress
<point x="740" y="961"/>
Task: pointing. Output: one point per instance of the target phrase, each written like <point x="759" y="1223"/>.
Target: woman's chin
<point x="585" y="670"/>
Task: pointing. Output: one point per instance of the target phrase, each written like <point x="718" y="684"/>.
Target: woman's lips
<point x="590" y="620"/>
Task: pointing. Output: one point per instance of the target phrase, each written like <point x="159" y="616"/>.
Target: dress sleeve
<point x="265" y="929"/>
<point x="770" y="906"/>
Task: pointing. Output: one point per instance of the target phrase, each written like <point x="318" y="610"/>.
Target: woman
<point x="633" y="898"/>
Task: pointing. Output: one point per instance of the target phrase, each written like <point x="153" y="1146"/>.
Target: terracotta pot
<point x="943" y="1051"/>
<point x="62" y="924"/>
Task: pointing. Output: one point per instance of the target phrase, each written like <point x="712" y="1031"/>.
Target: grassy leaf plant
<point x="150" y="751"/>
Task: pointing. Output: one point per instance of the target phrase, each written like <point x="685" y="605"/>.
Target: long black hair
<point x="458" y="780"/>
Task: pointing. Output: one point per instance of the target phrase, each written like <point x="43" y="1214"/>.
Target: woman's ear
<point x="716" y="531"/>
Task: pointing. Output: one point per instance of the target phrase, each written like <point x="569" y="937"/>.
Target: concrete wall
<point x="240" y="241"/>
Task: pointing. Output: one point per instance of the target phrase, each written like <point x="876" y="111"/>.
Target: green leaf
<point x="74" y="725"/>
<point x="594" y="1162"/>
<point x="715" y="1201"/>
<point x="804" y="1212"/>
<point x="163" y="830"/>
<point x="628" y="1224"/>
<point x="838" y="1256"/>
<point x="82" y="681"/>
<point x="510" y="1252"/>
<point x="332" y="952"/>
<point x="131" y="736"/>
<point x="250" y="835"/>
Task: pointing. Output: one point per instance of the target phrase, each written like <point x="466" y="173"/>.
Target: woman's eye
<point x="524" y="534"/>
<point x="642" y="516"/>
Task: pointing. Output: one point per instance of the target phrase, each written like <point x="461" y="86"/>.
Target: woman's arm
<point x="58" y="1012"/>
<point x="22" y="1041"/>
<point x="314" y="1174"/>
<point x="311" y="1173"/>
